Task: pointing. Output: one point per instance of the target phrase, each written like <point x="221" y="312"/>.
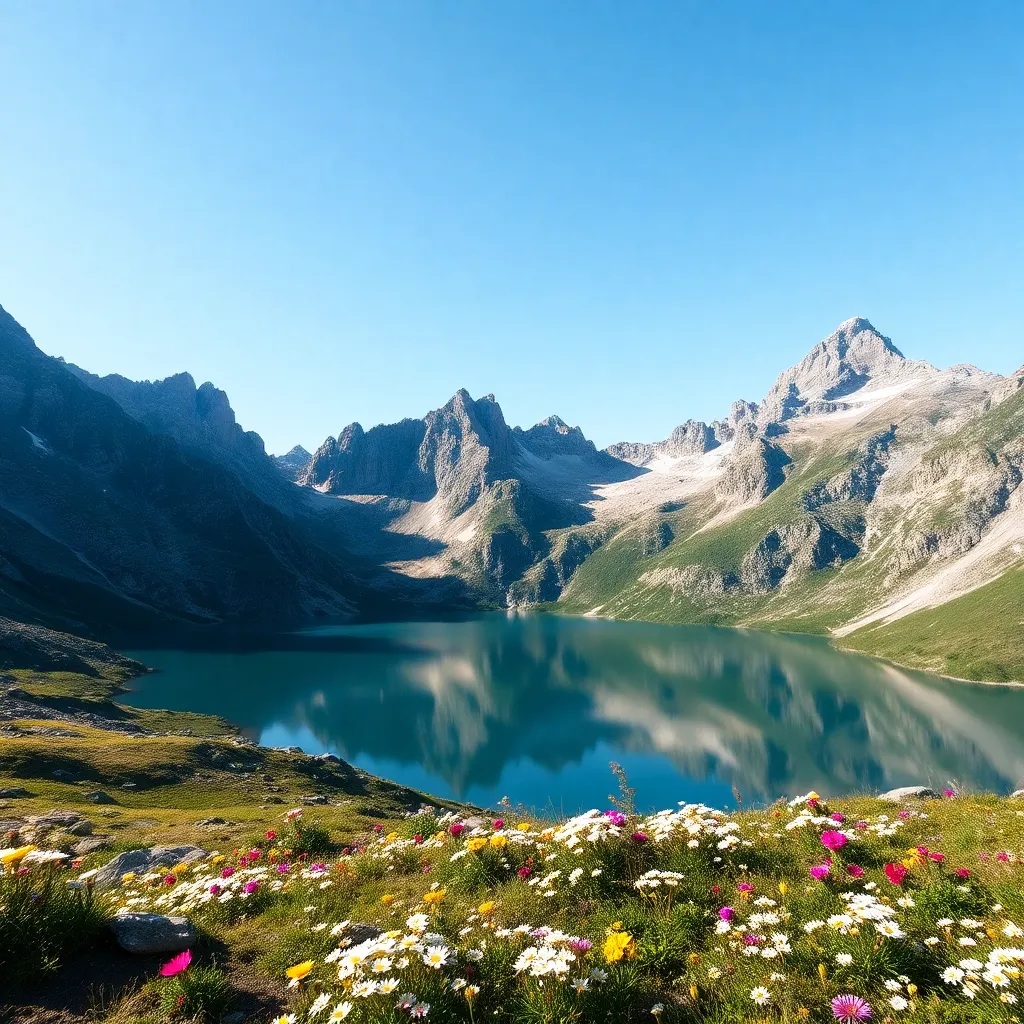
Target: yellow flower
<point x="693" y="992"/>
<point x="387" y="899"/>
<point x="434" y="896"/>
<point x="390" y="837"/>
<point x="822" y="973"/>
<point x="180" y="869"/>
<point x="619" y="945"/>
<point x="219" y="859"/>
<point x="803" y="1013"/>
<point x="911" y="988"/>
<point x="485" y="908"/>
<point x="499" y="840"/>
<point x="615" y="926"/>
<point x="813" y="796"/>
<point x="11" y="858"/>
<point x="524" y="826"/>
<point x="127" y="877"/>
<point x="471" y="992"/>
<point x="299" y="971"/>
<point x="476" y="844"/>
<point x="783" y="888"/>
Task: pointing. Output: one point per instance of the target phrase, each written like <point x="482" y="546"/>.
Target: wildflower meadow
<point x="803" y="911"/>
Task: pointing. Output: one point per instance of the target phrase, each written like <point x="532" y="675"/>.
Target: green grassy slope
<point x="977" y="636"/>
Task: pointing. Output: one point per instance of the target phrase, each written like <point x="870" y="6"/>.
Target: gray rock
<point x="896" y="796"/>
<point x="82" y="827"/>
<point x="86" y="846"/>
<point x="54" y="819"/>
<point x="99" y="797"/>
<point x="152" y="933"/>
<point x="290" y="750"/>
<point x="362" y="932"/>
<point x="16" y="793"/>
<point x="212" y="822"/>
<point x="273" y="800"/>
<point x="63" y="775"/>
<point x="318" y="799"/>
<point x="327" y="757"/>
<point x="233" y="1018"/>
<point x="1017" y="794"/>
<point x="141" y="861"/>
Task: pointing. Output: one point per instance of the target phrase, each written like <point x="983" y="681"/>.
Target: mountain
<point x="460" y="492"/>
<point x="293" y="463"/>
<point x="104" y="521"/>
<point x="867" y="496"/>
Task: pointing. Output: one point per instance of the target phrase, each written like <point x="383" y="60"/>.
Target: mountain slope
<point x="107" y="522"/>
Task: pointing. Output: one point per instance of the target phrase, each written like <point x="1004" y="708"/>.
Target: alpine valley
<point x="867" y="496"/>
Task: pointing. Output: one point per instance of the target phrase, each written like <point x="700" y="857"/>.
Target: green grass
<point x="977" y="636"/>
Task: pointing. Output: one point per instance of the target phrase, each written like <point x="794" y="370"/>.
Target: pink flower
<point x="417" y="839"/>
<point x="1003" y="856"/>
<point x="834" y="840"/>
<point x="895" y="873"/>
<point x="937" y="857"/>
<point x="903" y="815"/>
<point x="751" y="940"/>
<point x="855" y="870"/>
<point x="639" y="837"/>
<point x="726" y="913"/>
<point x="838" y="817"/>
<point x="580" y="945"/>
<point x="744" y="887"/>
<point x="251" y="887"/>
<point x="177" y="964"/>
<point x="227" y="872"/>
<point x="949" y="793"/>
<point x="498" y="824"/>
<point x="169" y="879"/>
<point x="378" y="827"/>
<point x="860" y="826"/>
<point x="457" y="829"/>
<point x="282" y="869"/>
<point x="270" y="835"/>
<point x="524" y="872"/>
<point x="615" y="817"/>
<point x="214" y="890"/>
<point x="850" y="1008"/>
<point x="962" y="873"/>
<point x="820" y="871"/>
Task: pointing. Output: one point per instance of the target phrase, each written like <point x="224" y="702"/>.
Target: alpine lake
<point x="535" y="707"/>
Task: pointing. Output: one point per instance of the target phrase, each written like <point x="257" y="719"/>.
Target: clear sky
<point x="627" y="213"/>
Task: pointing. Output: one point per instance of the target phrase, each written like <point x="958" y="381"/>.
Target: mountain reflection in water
<point x="534" y="707"/>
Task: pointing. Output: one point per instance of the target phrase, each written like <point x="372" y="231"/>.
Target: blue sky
<point x="625" y="213"/>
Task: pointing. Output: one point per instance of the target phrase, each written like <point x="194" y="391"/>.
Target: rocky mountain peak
<point x="851" y="357"/>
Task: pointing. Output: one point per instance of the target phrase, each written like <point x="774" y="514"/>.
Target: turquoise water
<point x="535" y="707"/>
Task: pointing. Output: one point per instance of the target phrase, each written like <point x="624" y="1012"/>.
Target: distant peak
<point x="553" y="420"/>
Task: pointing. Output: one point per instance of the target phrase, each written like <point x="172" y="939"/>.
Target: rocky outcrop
<point x="139" y="862"/>
<point x="860" y="481"/>
<point x="144" y="933"/>
<point x="24" y="646"/>
<point x="693" y="437"/>
<point x="753" y="471"/>
<point x="792" y="549"/>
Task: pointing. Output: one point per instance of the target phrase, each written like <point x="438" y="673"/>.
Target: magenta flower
<point x="639" y="837"/>
<point x="726" y="913"/>
<point x="834" y="840"/>
<point x="499" y="824"/>
<point x="524" y="872"/>
<point x="903" y="815"/>
<point x="615" y="817"/>
<point x="177" y="964"/>
<point x="317" y="867"/>
<point x="581" y="945"/>
<point x="169" y="879"/>
<point x="895" y="873"/>
<point x="214" y="890"/>
<point x="457" y="829"/>
<point x="838" y="817"/>
<point x="282" y="869"/>
<point x="949" y="793"/>
<point x="751" y="940"/>
<point x="251" y="887"/>
<point x="855" y="870"/>
<point x="1003" y="856"/>
<point x="417" y="839"/>
<point x="962" y="873"/>
<point x="820" y="872"/>
<point x="850" y="1008"/>
<point x="227" y="872"/>
<point x="744" y="887"/>
<point x="860" y="826"/>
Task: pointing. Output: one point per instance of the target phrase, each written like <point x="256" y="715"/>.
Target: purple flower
<point x="850" y="1008"/>
<point x="251" y="887"/>
<point x="726" y="913"/>
<point x="751" y="940"/>
<point x="282" y="869"/>
<point x="639" y="837"/>
<point x="903" y="815"/>
<point x="838" y="817"/>
<point x="581" y="945"/>
<point x="834" y="840"/>
<point x="615" y="817"/>
<point x="820" y="872"/>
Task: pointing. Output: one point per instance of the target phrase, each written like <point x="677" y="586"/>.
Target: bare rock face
<point x="752" y="472"/>
<point x="293" y="463"/>
<point x="141" y="861"/>
<point x="693" y="437"/>
<point x="796" y="547"/>
<point x="852" y="356"/>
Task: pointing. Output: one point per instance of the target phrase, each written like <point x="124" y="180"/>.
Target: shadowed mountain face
<point x="535" y="707"/>
<point x="104" y="521"/>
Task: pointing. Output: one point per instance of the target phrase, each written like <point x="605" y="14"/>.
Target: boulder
<point x="54" y="819"/>
<point x="15" y="793"/>
<point x="1017" y="794"/>
<point x="99" y="797"/>
<point x="152" y="933"/>
<point x="897" y="796"/>
<point x="142" y="861"/>
<point x="318" y="799"/>
<point x="86" y="846"/>
<point x="82" y="827"/>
